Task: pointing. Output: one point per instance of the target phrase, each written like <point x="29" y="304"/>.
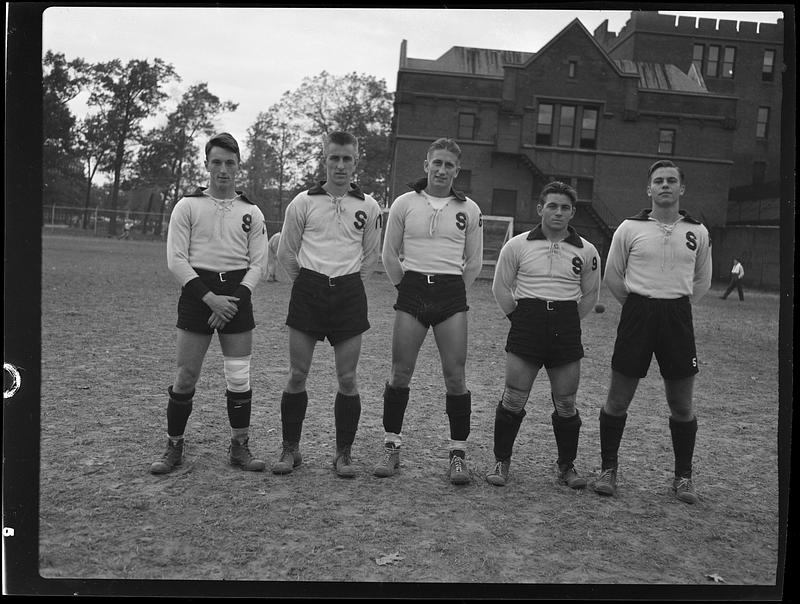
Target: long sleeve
<point x="371" y="244"/>
<point x="257" y="242"/>
<point x="505" y="276"/>
<point x="178" y="237"/>
<point x="473" y="249"/>
<point x="702" y="270"/>
<point x="616" y="264"/>
<point x="392" y="244"/>
<point x="290" y="240"/>
<point x="590" y="284"/>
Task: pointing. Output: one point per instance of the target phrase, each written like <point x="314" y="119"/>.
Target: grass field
<point x="108" y="315"/>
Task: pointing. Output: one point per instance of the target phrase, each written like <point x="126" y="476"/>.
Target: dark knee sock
<point x="239" y="404"/>
<point x="293" y="412"/>
<point x="395" y="401"/>
<point x="346" y="412"/>
<point x="683" y="439"/>
<point x="459" y="408"/>
<point x="506" y="428"/>
<point x="179" y="408"/>
<point x="611" y="428"/>
<point x="567" y="431"/>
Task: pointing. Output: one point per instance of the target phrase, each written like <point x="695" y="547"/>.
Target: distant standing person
<point x="329" y="246"/>
<point x="432" y="253"/>
<point x="659" y="263"/>
<point x="546" y="281"/>
<point x="216" y="249"/>
<point x="272" y="256"/>
<point x="737" y="274"/>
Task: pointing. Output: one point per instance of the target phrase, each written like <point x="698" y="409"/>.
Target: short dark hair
<point x="226" y="141"/>
<point x="448" y="144"/>
<point x="560" y="188"/>
<point x="339" y="137"/>
<point x="665" y="163"/>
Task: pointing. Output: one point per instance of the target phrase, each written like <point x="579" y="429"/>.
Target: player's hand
<point x="216" y="322"/>
<point x="224" y="306"/>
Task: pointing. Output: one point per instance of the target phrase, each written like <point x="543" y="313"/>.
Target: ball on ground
<point x="599" y="308"/>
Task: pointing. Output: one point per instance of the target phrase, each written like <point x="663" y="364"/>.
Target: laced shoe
<point x="290" y="458"/>
<point x="684" y="489"/>
<point x="499" y="476"/>
<point x="458" y="472"/>
<point x="390" y="462"/>
<point x="568" y="475"/>
<point x="343" y="462"/>
<point x="173" y="456"/>
<point x="239" y="455"/>
<point x="606" y="484"/>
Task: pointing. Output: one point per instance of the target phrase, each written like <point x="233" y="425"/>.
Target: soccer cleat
<point x="499" y="476"/>
<point x="173" y="456"/>
<point x="289" y="460"/>
<point x="343" y="463"/>
<point x="458" y="472"/>
<point x="684" y="489"/>
<point x="606" y="484"/>
<point x="239" y="455"/>
<point x="390" y="463"/>
<point x="569" y="476"/>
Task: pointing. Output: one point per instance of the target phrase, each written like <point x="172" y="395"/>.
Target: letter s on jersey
<point x="361" y="219"/>
<point x="691" y="240"/>
<point x="461" y="221"/>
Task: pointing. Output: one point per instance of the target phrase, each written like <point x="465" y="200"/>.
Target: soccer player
<point x="659" y="263"/>
<point x="545" y="281"/>
<point x="272" y="256"/>
<point x="329" y="246"/>
<point x="438" y="233"/>
<point x="216" y="249"/>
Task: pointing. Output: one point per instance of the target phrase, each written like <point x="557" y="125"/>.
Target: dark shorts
<point x="323" y="307"/>
<point x="650" y="326"/>
<point x="545" y="332"/>
<point x="431" y="299"/>
<point x="193" y="314"/>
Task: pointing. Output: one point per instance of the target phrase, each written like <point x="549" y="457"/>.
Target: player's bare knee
<point x="347" y="383"/>
<point x="401" y="376"/>
<point x="297" y="379"/>
<point x="186" y="379"/>
<point x="564" y="404"/>
<point x="515" y="399"/>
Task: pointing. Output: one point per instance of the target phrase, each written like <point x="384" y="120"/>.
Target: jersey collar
<point x="200" y="192"/>
<point x="419" y="185"/>
<point x="572" y="235"/>
<point x="645" y="215"/>
<point x="354" y="190"/>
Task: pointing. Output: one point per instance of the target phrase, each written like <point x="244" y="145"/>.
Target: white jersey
<point x="331" y="236"/>
<point x="218" y="236"/>
<point x="655" y="260"/>
<point x="437" y="239"/>
<point x="531" y="266"/>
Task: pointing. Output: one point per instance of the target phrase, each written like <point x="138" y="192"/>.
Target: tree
<point x="94" y="147"/>
<point x="124" y="95"/>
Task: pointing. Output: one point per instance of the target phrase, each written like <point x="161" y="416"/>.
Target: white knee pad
<point x="237" y="373"/>
<point x="514" y="400"/>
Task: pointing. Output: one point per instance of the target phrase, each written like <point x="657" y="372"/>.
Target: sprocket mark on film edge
<point x="14" y="382"/>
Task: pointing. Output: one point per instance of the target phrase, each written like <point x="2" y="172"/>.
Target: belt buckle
<point x="330" y="282"/>
<point x="430" y="279"/>
<point x="222" y="277"/>
<point x="550" y="305"/>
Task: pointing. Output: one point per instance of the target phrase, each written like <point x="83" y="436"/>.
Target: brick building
<point x="592" y="110"/>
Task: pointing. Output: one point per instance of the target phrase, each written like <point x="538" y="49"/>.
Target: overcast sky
<point x="253" y="55"/>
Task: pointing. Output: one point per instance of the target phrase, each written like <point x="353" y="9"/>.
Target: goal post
<point x="496" y="231"/>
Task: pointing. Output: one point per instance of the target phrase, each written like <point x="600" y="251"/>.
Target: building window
<point x="584" y="188"/>
<point x="712" y="65"/>
<point x="463" y="182"/>
<point x="566" y="126"/>
<point x="588" y="129"/>
<point x="728" y="62"/>
<point x="466" y="126"/>
<point x="666" y="142"/>
<point x="762" y="122"/>
<point x="759" y="172"/>
<point x="768" y="66"/>
<point x="573" y="66"/>
<point x="504" y="202"/>
<point x="698" y="50"/>
<point x="544" y="125"/>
